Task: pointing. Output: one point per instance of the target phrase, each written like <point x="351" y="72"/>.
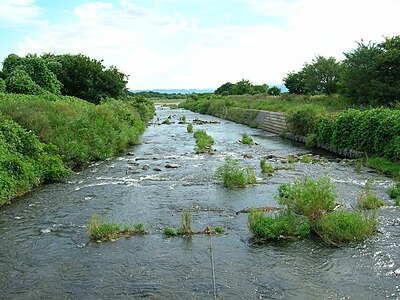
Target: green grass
<point x="367" y="199"/>
<point x="282" y="224"/>
<point x="235" y="176"/>
<point x="219" y="229"/>
<point x="169" y="231"/>
<point x="308" y="197"/>
<point x="359" y="165"/>
<point x="384" y="166"/>
<point x="189" y="128"/>
<point x="186" y="223"/>
<point x="203" y="142"/>
<point x="344" y="226"/>
<point x="246" y="140"/>
<point x="266" y="168"/>
<point x="397" y="200"/>
<point x="394" y="191"/>
<point x="105" y="231"/>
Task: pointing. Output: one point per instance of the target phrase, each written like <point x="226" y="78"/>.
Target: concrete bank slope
<point x="275" y="122"/>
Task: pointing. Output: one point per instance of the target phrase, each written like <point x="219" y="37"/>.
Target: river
<point x="46" y="253"/>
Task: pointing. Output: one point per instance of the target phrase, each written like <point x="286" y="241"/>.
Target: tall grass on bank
<point x="25" y="162"/>
<point x="82" y="131"/>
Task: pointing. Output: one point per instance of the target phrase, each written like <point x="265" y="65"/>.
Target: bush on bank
<point x="25" y="162"/>
<point x="82" y="131"/>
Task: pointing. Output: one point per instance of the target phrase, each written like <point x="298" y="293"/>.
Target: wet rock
<point x="172" y="166"/>
<point x="157" y="169"/>
<point x="135" y="171"/>
<point x="133" y="163"/>
<point x="130" y="154"/>
<point x="338" y="160"/>
<point x="397" y="272"/>
<point x="140" y="158"/>
<point x="246" y="155"/>
<point x="146" y="167"/>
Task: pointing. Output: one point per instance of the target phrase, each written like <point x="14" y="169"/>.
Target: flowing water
<point x="46" y="253"/>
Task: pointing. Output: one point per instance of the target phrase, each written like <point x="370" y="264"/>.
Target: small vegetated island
<point x="60" y="112"/>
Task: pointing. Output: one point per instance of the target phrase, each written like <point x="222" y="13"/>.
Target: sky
<point x="196" y="44"/>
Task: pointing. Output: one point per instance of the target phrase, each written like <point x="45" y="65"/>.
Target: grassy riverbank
<point x="44" y="136"/>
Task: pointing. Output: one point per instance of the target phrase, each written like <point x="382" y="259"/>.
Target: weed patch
<point x="281" y="225"/>
<point x="246" y="140"/>
<point x="368" y="200"/>
<point x="235" y="176"/>
<point x="189" y="128"/>
<point x="203" y="142"/>
<point x="266" y="168"/>
<point x="345" y="226"/>
<point x="106" y="231"/>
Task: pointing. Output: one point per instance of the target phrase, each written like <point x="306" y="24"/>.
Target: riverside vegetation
<point x="46" y="131"/>
<point x="310" y="206"/>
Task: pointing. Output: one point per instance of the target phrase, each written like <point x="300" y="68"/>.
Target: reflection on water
<point x="46" y="252"/>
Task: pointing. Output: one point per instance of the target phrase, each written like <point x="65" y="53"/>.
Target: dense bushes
<point x="82" y="131"/>
<point x="304" y="120"/>
<point x="24" y="161"/>
<point x="375" y="131"/>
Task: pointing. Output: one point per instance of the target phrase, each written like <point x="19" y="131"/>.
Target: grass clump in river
<point x="283" y="224"/>
<point x="367" y="199"/>
<point x="189" y="128"/>
<point x="345" y="226"/>
<point x="246" y="140"/>
<point x="314" y="202"/>
<point x="394" y="193"/>
<point x="266" y="168"/>
<point x="235" y="176"/>
<point x="203" y="142"/>
<point x="308" y="197"/>
<point x="106" y="231"/>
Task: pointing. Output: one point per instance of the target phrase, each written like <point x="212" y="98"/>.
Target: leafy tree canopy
<point x="240" y="88"/>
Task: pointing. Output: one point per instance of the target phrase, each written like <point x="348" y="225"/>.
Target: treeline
<point x="244" y="87"/>
<point x="67" y="74"/>
<point x="369" y="74"/>
<point x="46" y="130"/>
<point x="158" y="95"/>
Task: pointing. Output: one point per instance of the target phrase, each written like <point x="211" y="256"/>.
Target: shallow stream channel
<point x="46" y="252"/>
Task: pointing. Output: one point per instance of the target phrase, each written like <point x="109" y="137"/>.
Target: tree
<point x="260" y="89"/>
<point x="19" y="82"/>
<point x="274" y="91"/>
<point x="295" y="82"/>
<point x="2" y="85"/>
<point x="319" y="76"/>
<point x="372" y="72"/>
<point x="87" y="78"/>
<point x="243" y="87"/>
<point x="225" y="89"/>
<point x="33" y="67"/>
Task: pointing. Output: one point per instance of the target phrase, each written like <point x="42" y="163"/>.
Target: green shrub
<point x="266" y="168"/>
<point x="82" y="131"/>
<point x="308" y="197"/>
<point x="394" y="191"/>
<point x="368" y="200"/>
<point x="203" y="141"/>
<point x="20" y="82"/>
<point x="235" y="176"/>
<point x="100" y="231"/>
<point x="25" y="162"/>
<point x="283" y="224"/>
<point x="397" y="200"/>
<point x="219" y="229"/>
<point x="246" y="140"/>
<point x="375" y="131"/>
<point x="345" y="226"/>
<point x="2" y="85"/>
<point x="304" y="120"/>
<point x="189" y="128"/>
<point x="169" y="231"/>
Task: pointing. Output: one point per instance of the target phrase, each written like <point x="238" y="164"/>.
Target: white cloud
<point x="19" y="12"/>
<point x="162" y="50"/>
